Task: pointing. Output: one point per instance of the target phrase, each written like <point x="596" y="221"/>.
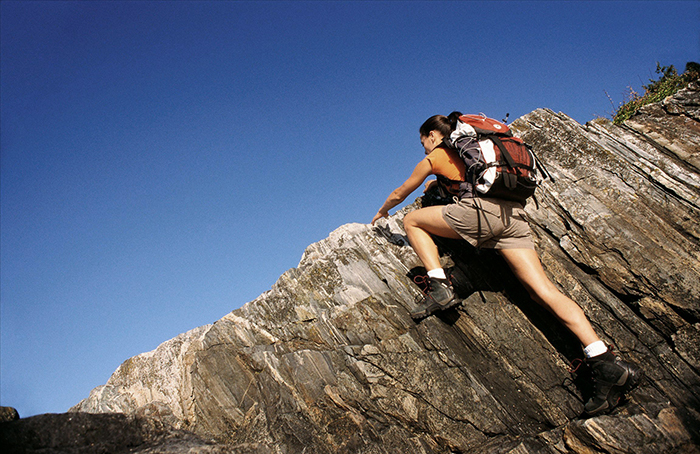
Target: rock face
<point x="329" y="360"/>
<point x="146" y="431"/>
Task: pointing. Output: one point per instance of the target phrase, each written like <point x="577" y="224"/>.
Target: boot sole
<point x="432" y="309"/>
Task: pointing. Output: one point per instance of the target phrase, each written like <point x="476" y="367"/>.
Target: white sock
<point x="595" y="349"/>
<point x="437" y="273"/>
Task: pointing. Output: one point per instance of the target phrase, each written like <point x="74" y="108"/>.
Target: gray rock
<point x="8" y="414"/>
<point x="329" y="360"/>
<point x="146" y="431"/>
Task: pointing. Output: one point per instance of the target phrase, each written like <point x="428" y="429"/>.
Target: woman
<point x="497" y="224"/>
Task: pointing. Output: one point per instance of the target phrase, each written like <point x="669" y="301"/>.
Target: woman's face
<point x="432" y="140"/>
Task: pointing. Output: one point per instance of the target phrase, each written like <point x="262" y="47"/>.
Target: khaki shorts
<point x="490" y="223"/>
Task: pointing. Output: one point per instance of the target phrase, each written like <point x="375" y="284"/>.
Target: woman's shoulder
<point x="443" y="153"/>
<point x="446" y="161"/>
<point x="440" y="152"/>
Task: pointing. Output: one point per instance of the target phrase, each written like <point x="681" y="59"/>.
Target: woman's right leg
<point x="612" y="377"/>
<point x="527" y="267"/>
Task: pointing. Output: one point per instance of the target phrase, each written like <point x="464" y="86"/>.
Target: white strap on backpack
<point x="462" y="130"/>
<point x="488" y="154"/>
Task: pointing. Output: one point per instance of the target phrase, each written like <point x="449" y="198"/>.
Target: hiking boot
<point x="612" y="379"/>
<point x="439" y="296"/>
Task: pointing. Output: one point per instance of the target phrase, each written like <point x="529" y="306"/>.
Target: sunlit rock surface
<point x="329" y="360"/>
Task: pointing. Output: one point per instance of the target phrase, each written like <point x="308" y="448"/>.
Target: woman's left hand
<point x="420" y="173"/>
<point x="378" y="216"/>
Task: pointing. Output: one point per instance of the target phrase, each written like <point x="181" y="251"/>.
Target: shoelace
<point x="578" y="362"/>
<point x="423" y="283"/>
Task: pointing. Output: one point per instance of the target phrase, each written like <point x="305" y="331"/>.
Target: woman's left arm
<point x="420" y="173"/>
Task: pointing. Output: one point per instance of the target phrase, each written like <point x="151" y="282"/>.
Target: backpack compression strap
<point x="509" y="179"/>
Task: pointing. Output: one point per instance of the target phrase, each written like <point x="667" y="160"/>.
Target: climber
<point x="500" y="225"/>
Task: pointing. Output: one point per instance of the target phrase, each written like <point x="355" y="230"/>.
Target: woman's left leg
<point x="422" y="223"/>
<point x="419" y="225"/>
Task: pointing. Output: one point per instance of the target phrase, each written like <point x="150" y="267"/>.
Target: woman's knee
<point x="417" y="219"/>
<point x="409" y="218"/>
<point x="555" y="301"/>
<point x="545" y="292"/>
<point x="429" y="220"/>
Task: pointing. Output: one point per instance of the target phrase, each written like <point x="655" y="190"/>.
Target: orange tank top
<point x="447" y="163"/>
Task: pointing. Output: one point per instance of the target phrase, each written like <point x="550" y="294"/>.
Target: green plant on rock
<point x="668" y="83"/>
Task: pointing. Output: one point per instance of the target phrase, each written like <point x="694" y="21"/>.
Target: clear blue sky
<point x="163" y="163"/>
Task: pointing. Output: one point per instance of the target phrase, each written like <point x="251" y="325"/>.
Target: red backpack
<point x="497" y="164"/>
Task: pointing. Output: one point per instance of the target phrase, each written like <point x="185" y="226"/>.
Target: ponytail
<point x="453" y="118"/>
<point x="440" y="123"/>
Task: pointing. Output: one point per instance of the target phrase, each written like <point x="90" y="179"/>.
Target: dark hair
<point x="444" y="124"/>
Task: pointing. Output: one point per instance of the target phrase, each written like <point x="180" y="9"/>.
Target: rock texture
<point x="329" y="360"/>
<point x="146" y="431"/>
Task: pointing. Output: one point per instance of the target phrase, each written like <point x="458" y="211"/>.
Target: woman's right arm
<point x="398" y="195"/>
